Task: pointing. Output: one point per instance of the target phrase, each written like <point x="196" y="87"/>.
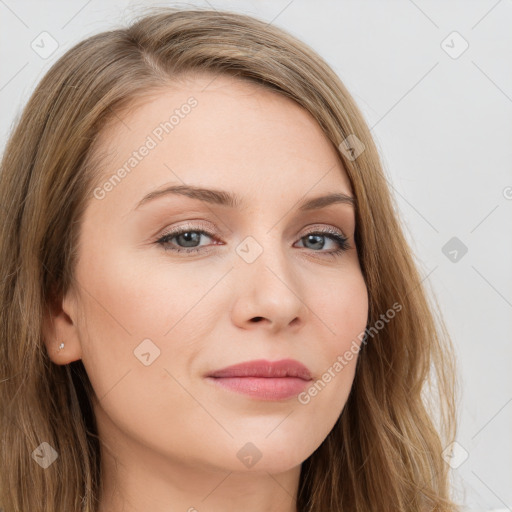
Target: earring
<point x="61" y="346"/>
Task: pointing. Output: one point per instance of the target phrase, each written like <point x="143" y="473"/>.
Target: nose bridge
<point x="264" y="254"/>
<point x="269" y="287"/>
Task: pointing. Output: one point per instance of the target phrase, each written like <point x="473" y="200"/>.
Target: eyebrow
<point x="224" y="198"/>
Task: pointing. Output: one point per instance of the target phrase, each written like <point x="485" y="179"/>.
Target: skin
<point x="174" y="435"/>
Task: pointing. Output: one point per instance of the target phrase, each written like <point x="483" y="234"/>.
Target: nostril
<point x="256" y="319"/>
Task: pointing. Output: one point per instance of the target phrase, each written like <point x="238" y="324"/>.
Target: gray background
<point x="441" y="117"/>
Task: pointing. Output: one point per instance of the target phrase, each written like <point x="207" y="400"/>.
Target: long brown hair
<point x="385" y="451"/>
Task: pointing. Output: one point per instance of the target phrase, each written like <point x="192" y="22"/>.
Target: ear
<point x="59" y="325"/>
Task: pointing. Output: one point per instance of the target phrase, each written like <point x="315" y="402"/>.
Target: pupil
<point x="319" y="241"/>
<point x="190" y="237"/>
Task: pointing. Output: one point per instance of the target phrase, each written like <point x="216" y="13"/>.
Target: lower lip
<point x="264" y="388"/>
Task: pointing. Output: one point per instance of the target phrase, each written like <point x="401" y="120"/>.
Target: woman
<point x="208" y="302"/>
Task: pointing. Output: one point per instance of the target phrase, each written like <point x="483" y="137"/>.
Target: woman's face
<point x="151" y="323"/>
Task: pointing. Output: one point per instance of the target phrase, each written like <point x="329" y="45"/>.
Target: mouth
<point x="264" y="380"/>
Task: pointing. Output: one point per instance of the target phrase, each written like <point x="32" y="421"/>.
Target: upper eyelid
<point x="198" y="227"/>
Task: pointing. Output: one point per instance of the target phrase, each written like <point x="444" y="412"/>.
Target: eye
<point x="189" y="237"/>
<point x="188" y="240"/>
<point x="317" y="239"/>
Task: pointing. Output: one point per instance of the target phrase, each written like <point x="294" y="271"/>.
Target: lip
<point x="262" y="379"/>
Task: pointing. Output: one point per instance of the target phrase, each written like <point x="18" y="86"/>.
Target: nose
<point x="268" y="294"/>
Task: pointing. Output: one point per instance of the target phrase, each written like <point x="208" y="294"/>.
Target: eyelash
<point x="330" y="233"/>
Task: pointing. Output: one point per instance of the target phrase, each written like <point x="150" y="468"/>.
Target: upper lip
<point x="264" y="368"/>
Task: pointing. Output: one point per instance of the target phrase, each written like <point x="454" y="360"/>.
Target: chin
<point x="268" y="456"/>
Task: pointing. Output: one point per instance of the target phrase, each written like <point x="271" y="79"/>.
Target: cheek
<point x="135" y="368"/>
<point x="137" y="313"/>
<point x="342" y="308"/>
<point x="343" y="313"/>
<point x="135" y="299"/>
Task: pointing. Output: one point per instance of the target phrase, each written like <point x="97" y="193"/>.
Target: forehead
<point x="220" y="131"/>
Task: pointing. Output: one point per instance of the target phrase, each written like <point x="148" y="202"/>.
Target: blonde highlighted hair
<point x="385" y="451"/>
